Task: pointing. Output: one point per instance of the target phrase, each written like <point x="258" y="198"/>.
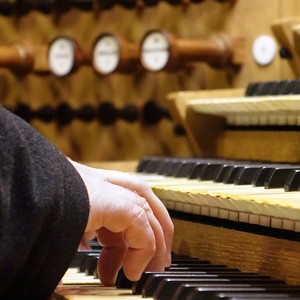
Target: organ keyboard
<point x="214" y="193"/>
<point x="239" y="214"/>
<point x="185" y="278"/>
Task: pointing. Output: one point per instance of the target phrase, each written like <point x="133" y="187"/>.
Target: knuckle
<point x="152" y="248"/>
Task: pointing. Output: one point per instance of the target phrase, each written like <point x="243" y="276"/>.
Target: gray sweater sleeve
<point x="43" y="211"/>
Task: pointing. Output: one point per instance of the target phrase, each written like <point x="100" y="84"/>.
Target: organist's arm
<point x="44" y="209"/>
<point x="44" y="212"/>
<point x="129" y="221"/>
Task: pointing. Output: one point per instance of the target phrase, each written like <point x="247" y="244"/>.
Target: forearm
<point x="43" y="213"/>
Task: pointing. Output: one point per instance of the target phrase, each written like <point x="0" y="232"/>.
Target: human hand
<point x="129" y="221"/>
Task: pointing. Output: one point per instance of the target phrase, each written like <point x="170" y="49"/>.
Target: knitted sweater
<point x="43" y="211"/>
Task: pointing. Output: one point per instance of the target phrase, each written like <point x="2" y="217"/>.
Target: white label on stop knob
<point x="61" y="56"/>
<point x="264" y="50"/>
<point x="155" y="52"/>
<point x="106" y="55"/>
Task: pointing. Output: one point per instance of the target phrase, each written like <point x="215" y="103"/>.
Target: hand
<point x="129" y="221"/>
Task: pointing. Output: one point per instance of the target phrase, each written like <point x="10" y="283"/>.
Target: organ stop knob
<point x="18" y="57"/>
<point x="113" y="53"/>
<point x="161" y="50"/>
<point x="65" y="56"/>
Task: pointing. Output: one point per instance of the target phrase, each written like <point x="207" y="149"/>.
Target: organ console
<point x="237" y="221"/>
<point x="235" y="203"/>
<point x="113" y="53"/>
<point x="162" y="51"/>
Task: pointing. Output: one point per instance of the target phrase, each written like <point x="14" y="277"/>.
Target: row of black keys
<point x="46" y="6"/>
<point x="281" y="87"/>
<point x="269" y="175"/>
<point x="194" y="279"/>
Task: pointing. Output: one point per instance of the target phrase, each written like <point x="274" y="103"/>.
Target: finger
<point x="159" y="210"/>
<point x="128" y="217"/>
<point x="157" y="263"/>
<point x="111" y="256"/>
<point x="141" y="245"/>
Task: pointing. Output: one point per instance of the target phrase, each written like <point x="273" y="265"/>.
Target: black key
<point x="215" y="293"/>
<point x="278" y="177"/>
<point x="95" y="246"/>
<point x="286" y="87"/>
<point x="172" y="168"/>
<point x="154" y="281"/>
<point x="246" y="175"/>
<point x="251" y="89"/>
<point x="222" y="173"/>
<point x="80" y="256"/>
<point x="150" y="164"/>
<point x="202" y="165"/>
<point x="142" y="164"/>
<point x="264" y="88"/>
<point x="177" y="288"/>
<point x="87" y="262"/>
<point x="168" y="166"/>
<point x="280" y="88"/>
<point x="231" y="174"/>
<point x="293" y="181"/>
<point x="295" y="87"/>
<point x="256" y="295"/>
<point x="211" y="171"/>
<point x="197" y="263"/>
<point x="153" y="166"/>
<point x="91" y="266"/>
<point x="208" y="292"/>
<point x="216" y="269"/>
<point x="213" y="273"/>
<point x="186" y="169"/>
<point x="122" y="281"/>
<point x="138" y="286"/>
<point x="261" y="175"/>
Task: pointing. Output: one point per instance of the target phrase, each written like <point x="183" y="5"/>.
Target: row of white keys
<point x="252" y="204"/>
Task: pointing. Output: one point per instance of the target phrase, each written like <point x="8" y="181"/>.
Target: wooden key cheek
<point x="112" y="53"/>
<point x="163" y="51"/>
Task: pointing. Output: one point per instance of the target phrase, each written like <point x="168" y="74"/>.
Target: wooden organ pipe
<point x="68" y="4"/>
<point x="108" y="4"/>
<point x="46" y="6"/>
<point x="24" y="6"/>
<point x="7" y="7"/>
<point x="150" y="113"/>
<point x="179" y="2"/>
<point x="18" y="57"/>
<point x="65" y="56"/>
<point x="112" y="53"/>
<point x="161" y="50"/>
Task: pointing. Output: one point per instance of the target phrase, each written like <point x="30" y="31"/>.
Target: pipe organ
<point x="198" y="97"/>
